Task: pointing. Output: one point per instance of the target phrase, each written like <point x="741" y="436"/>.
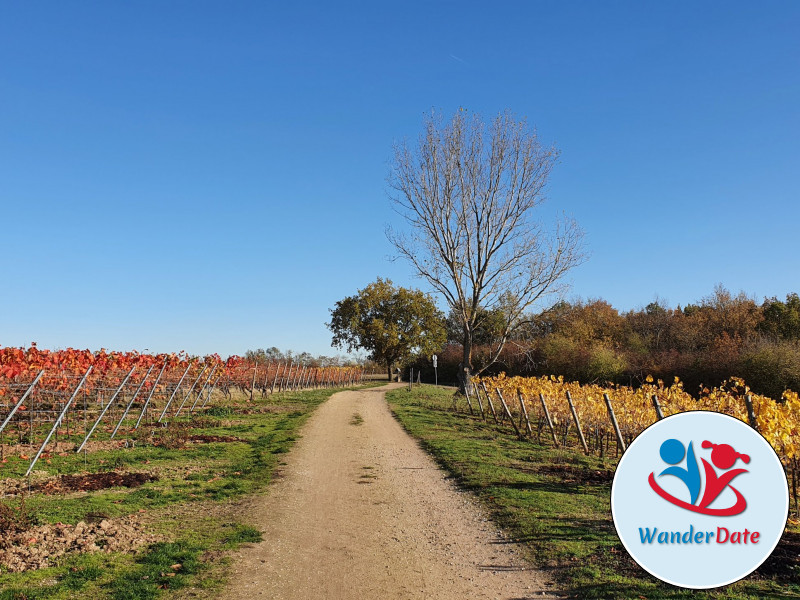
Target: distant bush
<point x="771" y="367"/>
<point x="605" y="365"/>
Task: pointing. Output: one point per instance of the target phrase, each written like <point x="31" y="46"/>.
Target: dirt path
<point x="362" y="512"/>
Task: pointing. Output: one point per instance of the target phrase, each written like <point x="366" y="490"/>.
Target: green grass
<point x="192" y="505"/>
<point x="242" y="534"/>
<point x="79" y="576"/>
<point x="164" y="566"/>
<point x="556" y="503"/>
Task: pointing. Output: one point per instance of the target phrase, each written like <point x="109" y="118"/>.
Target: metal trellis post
<point x="105" y="409"/>
<point x="175" y="391"/>
<point x="21" y="400"/>
<point x="150" y="395"/>
<point x="202" y="389"/>
<point x="210" y="390"/>
<point x="58" y="421"/>
<point x="189" y="393"/>
<point x="133" y="398"/>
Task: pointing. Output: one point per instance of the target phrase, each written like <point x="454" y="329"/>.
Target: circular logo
<point x="699" y="499"/>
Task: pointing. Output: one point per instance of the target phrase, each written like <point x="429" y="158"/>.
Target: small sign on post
<point x="435" y="372"/>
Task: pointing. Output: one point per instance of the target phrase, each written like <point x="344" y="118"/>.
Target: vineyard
<point x="112" y="461"/>
<point x="601" y="420"/>
<point x="73" y="401"/>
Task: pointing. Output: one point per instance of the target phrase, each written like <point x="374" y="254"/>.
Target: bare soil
<point x="90" y="482"/>
<point x="25" y="451"/>
<point x="361" y="512"/>
<point x="67" y="484"/>
<point x="37" y="547"/>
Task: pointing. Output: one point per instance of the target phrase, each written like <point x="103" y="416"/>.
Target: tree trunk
<point x="389" y="370"/>
<point x="465" y="373"/>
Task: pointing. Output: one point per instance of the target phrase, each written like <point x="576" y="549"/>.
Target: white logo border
<point x="699" y="587"/>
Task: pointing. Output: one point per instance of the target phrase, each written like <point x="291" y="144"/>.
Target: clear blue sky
<point x="210" y="176"/>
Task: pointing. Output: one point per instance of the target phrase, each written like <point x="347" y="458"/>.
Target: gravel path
<point x="361" y="512"/>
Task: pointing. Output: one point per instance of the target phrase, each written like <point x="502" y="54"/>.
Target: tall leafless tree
<point x="470" y="193"/>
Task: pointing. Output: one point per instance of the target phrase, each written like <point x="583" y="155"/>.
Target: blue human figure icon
<point x="672" y="453"/>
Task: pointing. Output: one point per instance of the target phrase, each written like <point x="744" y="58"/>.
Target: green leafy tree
<point x="391" y="323"/>
<point x="782" y="319"/>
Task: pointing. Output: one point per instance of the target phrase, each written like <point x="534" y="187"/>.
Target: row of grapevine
<point x="594" y="417"/>
<point x="778" y="422"/>
<point x="74" y="400"/>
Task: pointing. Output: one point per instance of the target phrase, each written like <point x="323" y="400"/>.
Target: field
<point x="557" y="502"/>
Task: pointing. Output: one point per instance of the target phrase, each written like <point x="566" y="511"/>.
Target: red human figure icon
<point x="724" y="457"/>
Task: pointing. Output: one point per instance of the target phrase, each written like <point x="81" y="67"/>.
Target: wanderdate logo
<point x="723" y="457"/>
<point x="700" y="499"/>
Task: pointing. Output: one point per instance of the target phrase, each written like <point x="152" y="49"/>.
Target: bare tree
<point x="470" y="194"/>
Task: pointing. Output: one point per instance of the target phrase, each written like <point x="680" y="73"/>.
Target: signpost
<point x="435" y="372"/>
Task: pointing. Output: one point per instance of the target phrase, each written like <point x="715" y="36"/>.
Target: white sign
<point x="434" y="361"/>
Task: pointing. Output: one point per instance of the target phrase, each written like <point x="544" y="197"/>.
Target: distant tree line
<point x="301" y="358"/>
<point x="703" y="344"/>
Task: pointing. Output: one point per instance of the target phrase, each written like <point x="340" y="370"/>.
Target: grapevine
<point x="635" y="410"/>
<point x="59" y="401"/>
<point x="778" y="422"/>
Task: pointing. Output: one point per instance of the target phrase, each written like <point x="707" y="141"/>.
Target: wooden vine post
<point x="657" y="406"/>
<point x="548" y="420"/>
<point x="253" y="384"/>
<point x="266" y="379"/>
<point x="478" y="396"/>
<point x="751" y="414"/>
<point x="469" y="402"/>
<point x="508" y="412"/>
<point x="577" y="422"/>
<point x="277" y="373"/>
<point x="491" y="405"/>
<point x="524" y="413"/>
<point x="614" y="423"/>
<point x="287" y="372"/>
